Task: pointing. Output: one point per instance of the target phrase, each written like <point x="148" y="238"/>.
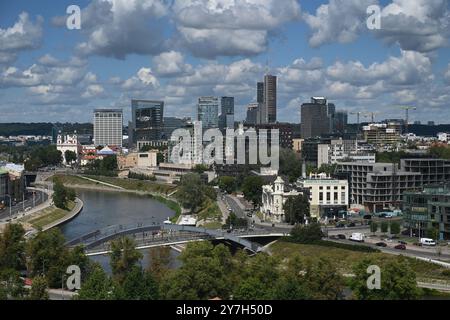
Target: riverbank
<point x="142" y="188"/>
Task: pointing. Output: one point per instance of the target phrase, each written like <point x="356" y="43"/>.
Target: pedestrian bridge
<point x="154" y="235"/>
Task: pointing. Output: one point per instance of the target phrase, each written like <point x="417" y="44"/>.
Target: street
<point x="39" y="198"/>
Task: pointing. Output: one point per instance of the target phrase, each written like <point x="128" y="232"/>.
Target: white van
<point x="358" y="237"/>
<point x="427" y="242"/>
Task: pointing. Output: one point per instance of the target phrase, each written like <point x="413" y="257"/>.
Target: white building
<point x="68" y="142"/>
<point x="108" y="127"/>
<point x="273" y="197"/>
<point x="327" y="196"/>
<point x="443" y="137"/>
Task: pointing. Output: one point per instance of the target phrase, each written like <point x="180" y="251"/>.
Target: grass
<point x="139" y="185"/>
<point x="346" y="259"/>
<point x="72" y="180"/>
<point x="209" y="211"/>
<point x="50" y="215"/>
<point x="213" y="225"/>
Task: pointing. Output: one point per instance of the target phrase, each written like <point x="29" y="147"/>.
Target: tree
<point x="398" y="281"/>
<point x="62" y="195"/>
<point x="252" y="189"/>
<point x="11" y="285"/>
<point x="124" y="257"/>
<point x="373" y="227"/>
<point x="433" y="233"/>
<point x="307" y="233"/>
<point x="200" y="168"/>
<point x="395" y="228"/>
<point x="12" y="247"/>
<point x="323" y="280"/>
<point x="227" y="184"/>
<point x="384" y="227"/>
<point x="191" y="191"/>
<point x="98" y="286"/>
<point x="159" y="261"/>
<point x="290" y="165"/>
<point x="137" y="285"/>
<point x="47" y="255"/>
<point x="296" y="209"/>
<point x="70" y="156"/>
<point x="39" y="289"/>
<point x="233" y="221"/>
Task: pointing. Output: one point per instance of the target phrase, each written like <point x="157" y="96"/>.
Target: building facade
<point x="68" y="142"/>
<point x="208" y="112"/>
<point x="108" y="127"/>
<point x="226" y="120"/>
<point x="270" y="97"/>
<point x="428" y="209"/>
<point x="147" y="121"/>
<point x="316" y="118"/>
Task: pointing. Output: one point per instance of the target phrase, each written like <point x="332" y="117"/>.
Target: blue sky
<point x="179" y="50"/>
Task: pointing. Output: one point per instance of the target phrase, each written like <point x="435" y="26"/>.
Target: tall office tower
<point x="260" y="92"/>
<point x="252" y="113"/>
<point x="147" y="120"/>
<point x="208" y="112"/>
<point x="270" y="98"/>
<point x="108" y="127"/>
<point x="316" y="117"/>
<point x="226" y="119"/>
<point x="340" y="121"/>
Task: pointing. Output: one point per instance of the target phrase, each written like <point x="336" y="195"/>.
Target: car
<point x="342" y="236"/>
<point x="381" y="244"/>
<point x="400" y="247"/>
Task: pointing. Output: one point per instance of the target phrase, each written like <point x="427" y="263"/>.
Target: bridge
<point x="153" y="235"/>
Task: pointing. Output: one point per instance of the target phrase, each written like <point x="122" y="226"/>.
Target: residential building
<point x="432" y="170"/>
<point x="443" y="137"/>
<point x="208" y="112"/>
<point x="108" y="127"/>
<point x="327" y="196"/>
<point x="274" y="196"/>
<point x="428" y="208"/>
<point x="147" y="121"/>
<point x="378" y="186"/>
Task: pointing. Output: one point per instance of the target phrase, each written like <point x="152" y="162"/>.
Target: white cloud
<point x="171" y="64"/>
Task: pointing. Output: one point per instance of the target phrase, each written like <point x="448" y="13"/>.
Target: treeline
<point x="141" y="176"/>
<point x="102" y="167"/>
<point x="42" y="129"/>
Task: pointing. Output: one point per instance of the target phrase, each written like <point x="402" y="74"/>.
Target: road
<point x="39" y="198"/>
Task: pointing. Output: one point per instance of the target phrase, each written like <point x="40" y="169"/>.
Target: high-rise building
<point x="270" y="97"/>
<point x="252" y="113"/>
<point x="147" y="120"/>
<point x="108" y="127"/>
<point x="208" y="112"/>
<point x="226" y="120"/>
<point x="340" y="121"/>
<point x="317" y="117"/>
<point x="260" y="92"/>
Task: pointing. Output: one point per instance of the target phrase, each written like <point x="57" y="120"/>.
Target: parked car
<point x="357" y="237"/>
<point x="342" y="236"/>
<point x="427" y="242"/>
<point x="381" y="244"/>
<point x="400" y="247"/>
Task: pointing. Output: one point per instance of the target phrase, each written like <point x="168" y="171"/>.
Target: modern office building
<point x="208" y="112"/>
<point x="316" y="117"/>
<point x="327" y="196"/>
<point x="252" y="113"/>
<point x="428" y="209"/>
<point x="340" y="122"/>
<point x="270" y="97"/>
<point x="226" y="119"/>
<point x="108" y="127"/>
<point x="171" y="124"/>
<point x="147" y="121"/>
<point x="260" y="92"/>
<point x="284" y="130"/>
<point x="378" y="186"/>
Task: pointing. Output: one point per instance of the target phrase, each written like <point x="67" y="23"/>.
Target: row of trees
<point x="62" y="195"/>
<point x="42" y="156"/>
<point x="103" y="167"/>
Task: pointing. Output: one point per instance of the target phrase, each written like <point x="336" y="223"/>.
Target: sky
<point x="179" y="50"/>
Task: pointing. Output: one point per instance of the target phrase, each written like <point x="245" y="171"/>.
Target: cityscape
<point x="253" y="150"/>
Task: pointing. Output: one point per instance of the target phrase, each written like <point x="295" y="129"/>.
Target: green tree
<point x="323" y="280"/>
<point x="160" y="260"/>
<point x="373" y="227"/>
<point x="191" y="191"/>
<point x="12" y="247"/>
<point x="307" y="233"/>
<point x="227" y="184"/>
<point x="137" y="285"/>
<point x="70" y="156"/>
<point x="296" y="209"/>
<point x="252" y="189"/>
<point x="12" y="286"/>
<point x="433" y="233"/>
<point x="384" y="227"/>
<point x="98" y="286"/>
<point x="290" y="165"/>
<point x="124" y="256"/>
<point x="39" y="289"/>
<point x="395" y="227"/>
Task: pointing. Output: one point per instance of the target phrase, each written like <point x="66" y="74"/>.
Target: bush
<point x="141" y="176"/>
<point x="307" y="233"/>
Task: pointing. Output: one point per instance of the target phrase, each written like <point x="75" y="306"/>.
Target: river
<point x="102" y="209"/>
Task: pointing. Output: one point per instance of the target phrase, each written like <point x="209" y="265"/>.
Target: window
<point x="335" y="196"/>
<point x="320" y="196"/>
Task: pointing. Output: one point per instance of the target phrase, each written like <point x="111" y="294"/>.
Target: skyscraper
<point x="108" y="127"/>
<point x="227" y="113"/>
<point x="208" y="112"/>
<point x="252" y="113"/>
<point x="270" y="97"/>
<point x="260" y="92"/>
<point x="316" y="117"/>
<point x="147" y="120"/>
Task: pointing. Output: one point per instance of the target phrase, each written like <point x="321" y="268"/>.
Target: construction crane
<point x="371" y="115"/>
<point x="407" y="108"/>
